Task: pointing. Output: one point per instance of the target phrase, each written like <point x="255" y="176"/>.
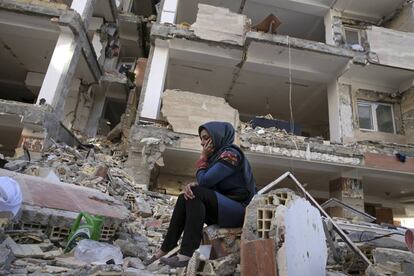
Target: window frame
<point x="374" y="119"/>
<point x="358" y="31"/>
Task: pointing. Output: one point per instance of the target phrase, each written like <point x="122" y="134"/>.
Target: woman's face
<point x="204" y="137"/>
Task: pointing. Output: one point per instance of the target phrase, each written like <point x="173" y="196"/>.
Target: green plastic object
<point x="91" y="229"/>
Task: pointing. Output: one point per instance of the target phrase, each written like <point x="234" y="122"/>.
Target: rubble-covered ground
<point x="98" y="165"/>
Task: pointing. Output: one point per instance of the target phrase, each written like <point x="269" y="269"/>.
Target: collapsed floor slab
<point x="57" y="204"/>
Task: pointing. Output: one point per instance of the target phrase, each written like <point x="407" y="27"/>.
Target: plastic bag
<point x="10" y="195"/>
<point x="93" y="252"/>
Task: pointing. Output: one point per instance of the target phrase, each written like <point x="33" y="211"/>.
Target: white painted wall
<point x="169" y="11"/>
<point x="155" y="82"/>
<point x="304" y="245"/>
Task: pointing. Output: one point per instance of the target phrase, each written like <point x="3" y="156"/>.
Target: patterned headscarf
<point x="222" y="136"/>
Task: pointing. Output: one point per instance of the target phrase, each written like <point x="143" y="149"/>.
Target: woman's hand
<point x="188" y="193"/>
<point x="208" y="149"/>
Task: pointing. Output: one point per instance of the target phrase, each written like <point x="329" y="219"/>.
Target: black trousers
<point x="189" y="216"/>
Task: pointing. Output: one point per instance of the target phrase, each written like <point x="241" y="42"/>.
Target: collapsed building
<point x="337" y="75"/>
<point x="323" y="89"/>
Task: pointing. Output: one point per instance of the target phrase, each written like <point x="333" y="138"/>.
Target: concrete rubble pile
<point x="272" y="140"/>
<point x="27" y="250"/>
<point x="98" y="165"/>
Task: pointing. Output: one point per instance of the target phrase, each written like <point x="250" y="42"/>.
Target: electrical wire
<point x="292" y="122"/>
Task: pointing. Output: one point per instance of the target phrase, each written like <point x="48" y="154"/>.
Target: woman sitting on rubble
<point x="225" y="186"/>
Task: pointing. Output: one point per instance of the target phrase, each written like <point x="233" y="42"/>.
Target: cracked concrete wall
<point x="407" y="110"/>
<point x="390" y="47"/>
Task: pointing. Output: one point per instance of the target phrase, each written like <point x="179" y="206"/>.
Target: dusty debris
<point x="23" y="250"/>
<point x="6" y="258"/>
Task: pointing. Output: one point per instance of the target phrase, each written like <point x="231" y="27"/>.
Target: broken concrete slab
<point x="210" y="21"/>
<point x="23" y="250"/>
<point x="52" y="254"/>
<point x="67" y="197"/>
<point x="223" y="241"/>
<point x="186" y="111"/>
<point x="404" y="260"/>
<point x="6" y="257"/>
<point x="70" y="261"/>
<point x="305" y="245"/>
<point x="54" y="269"/>
<point x="143" y="208"/>
<point x="130" y="248"/>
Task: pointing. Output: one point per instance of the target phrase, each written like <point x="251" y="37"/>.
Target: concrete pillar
<point x="333" y="109"/>
<point x="70" y="103"/>
<point x="329" y="26"/>
<point x="341" y="125"/>
<point x="97" y="44"/>
<point x="96" y="111"/>
<point x="137" y="166"/>
<point x="348" y="190"/>
<point x="63" y="63"/>
<point x="154" y="86"/>
<point x="56" y="74"/>
<point x="169" y="11"/>
<point x="85" y="9"/>
<point x="407" y="110"/>
<point x="60" y="72"/>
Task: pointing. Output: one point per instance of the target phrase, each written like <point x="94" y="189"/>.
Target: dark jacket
<point x="228" y="172"/>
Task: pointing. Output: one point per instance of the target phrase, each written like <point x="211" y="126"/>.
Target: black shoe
<point x="174" y="261"/>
